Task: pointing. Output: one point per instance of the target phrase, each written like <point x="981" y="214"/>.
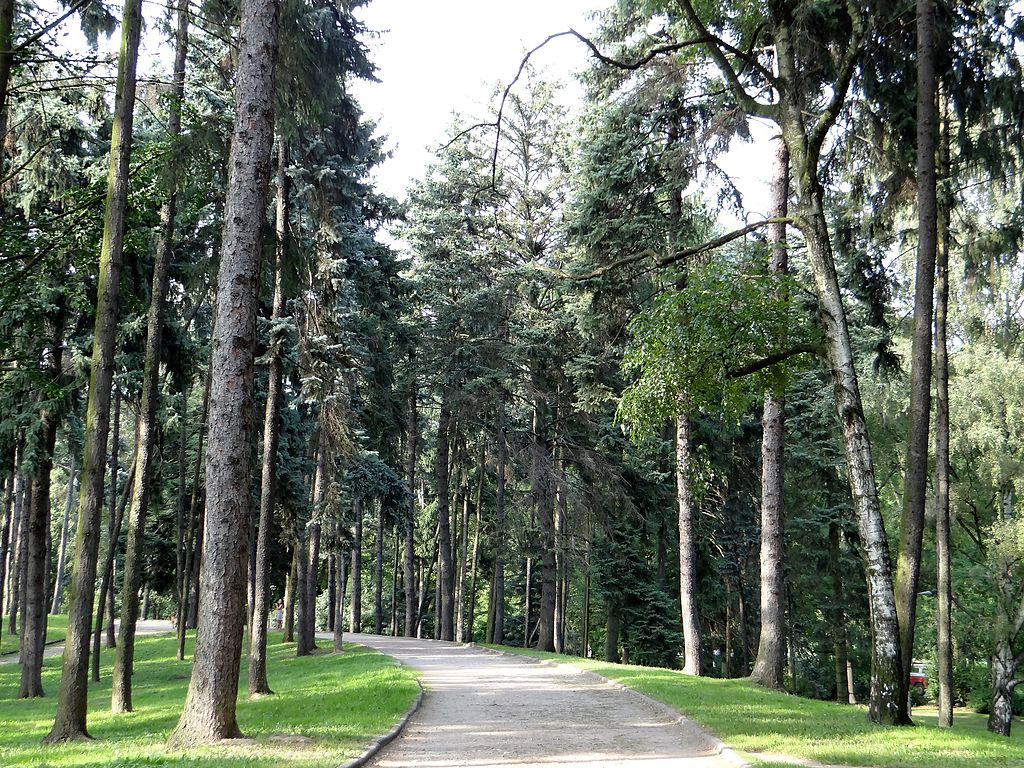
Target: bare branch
<point x="31" y="39"/>
<point x="842" y="83"/>
<point x="770" y="360"/>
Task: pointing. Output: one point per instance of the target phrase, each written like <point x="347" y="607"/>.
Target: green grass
<point x="763" y="723"/>
<point x="342" y="702"/>
<point x="56" y="629"/>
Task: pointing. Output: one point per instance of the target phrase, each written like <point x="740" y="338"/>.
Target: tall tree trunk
<point x="72" y="699"/>
<point x="339" y="610"/>
<point x="460" y="588"/>
<point x="112" y="536"/>
<point x="356" y="610"/>
<point x="378" y="574"/>
<point x="193" y="535"/>
<point x="258" y="684"/>
<point x="915" y="477"/>
<point x="37" y="519"/>
<point x="471" y="617"/>
<point x="332" y="585"/>
<point x="1007" y="627"/>
<point x="943" y="580"/>
<point x="545" y="506"/>
<point x="146" y="431"/>
<point x="585" y="629"/>
<point x="559" y="554"/>
<point x="18" y="531"/>
<point x="394" y="587"/>
<point x="58" y="581"/>
<point x="288" y="636"/>
<point x="180" y="530"/>
<point x="687" y="550"/>
<point x="10" y="526"/>
<point x="7" y="8"/>
<point x="839" y="639"/>
<point x="446" y="570"/>
<point x="498" y="624"/>
<point x="611" y="641"/>
<point x="409" y="554"/>
<point x="107" y="582"/>
<point x="209" y="712"/>
<point x="771" y="647"/>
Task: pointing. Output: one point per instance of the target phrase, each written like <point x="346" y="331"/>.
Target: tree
<point x="209" y="711"/>
<point x="70" y="719"/>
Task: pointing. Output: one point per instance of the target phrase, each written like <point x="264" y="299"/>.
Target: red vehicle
<point x="918" y="677"/>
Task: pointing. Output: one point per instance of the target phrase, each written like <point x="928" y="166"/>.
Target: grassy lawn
<point x="762" y="723"/>
<point x="340" y="702"/>
<point x="56" y="628"/>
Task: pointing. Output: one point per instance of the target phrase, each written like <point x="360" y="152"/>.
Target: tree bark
<point x="18" y="531"/>
<point x="1009" y="621"/>
<point x="58" y="581"/>
<point x="209" y="712"/>
<point x="545" y="506"/>
<point x="378" y="574"/>
<point x="288" y="636"/>
<point x="7" y="8"/>
<point x="258" y="684"/>
<point x="194" y="534"/>
<point x="884" y="706"/>
<point x="115" y="454"/>
<point x="839" y="638"/>
<point x="771" y="647"/>
<point x="146" y="431"/>
<point x="687" y="550"/>
<point x="37" y="519"/>
<point x="943" y="569"/>
<point x="339" y="610"/>
<point x="409" y="554"/>
<point x="10" y="527"/>
<point x="356" y="610"/>
<point x="611" y="641"/>
<point x="915" y="478"/>
<point x="498" y="624"/>
<point x="107" y="583"/>
<point x="446" y="570"/>
<point x="471" y="616"/>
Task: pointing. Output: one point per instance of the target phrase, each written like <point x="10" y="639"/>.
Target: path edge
<point x="382" y="741"/>
<point x="718" y="746"/>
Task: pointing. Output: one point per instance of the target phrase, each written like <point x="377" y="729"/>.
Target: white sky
<point x="444" y="56"/>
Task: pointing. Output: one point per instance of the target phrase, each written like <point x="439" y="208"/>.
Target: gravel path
<point x="148" y="627"/>
<point x="483" y="710"/>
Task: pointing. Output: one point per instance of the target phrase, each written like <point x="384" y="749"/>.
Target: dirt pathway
<point x="483" y="710"/>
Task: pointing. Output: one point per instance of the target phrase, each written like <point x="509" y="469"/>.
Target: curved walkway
<point x="484" y="710"/>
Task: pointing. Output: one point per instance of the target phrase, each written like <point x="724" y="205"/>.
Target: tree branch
<point x="770" y="360"/>
<point x="842" y="83"/>
<point x="715" y="46"/>
<point x="74" y="8"/>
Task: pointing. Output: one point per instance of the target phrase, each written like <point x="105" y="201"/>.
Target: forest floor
<point x="326" y="710"/>
<point x="486" y="709"/>
<point x="776" y="729"/>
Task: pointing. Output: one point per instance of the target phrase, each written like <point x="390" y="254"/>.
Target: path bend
<point x="485" y="710"/>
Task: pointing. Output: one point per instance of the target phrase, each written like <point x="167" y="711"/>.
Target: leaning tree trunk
<point x="258" y="684"/>
<point x="943" y="580"/>
<point x="58" y="580"/>
<point x="915" y="476"/>
<point x="37" y="519"/>
<point x="209" y="712"/>
<point x="687" y="549"/>
<point x="446" y="570"/>
<point x="409" y="554"/>
<point x="771" y="647"/>
<point x="146" y="431"/>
